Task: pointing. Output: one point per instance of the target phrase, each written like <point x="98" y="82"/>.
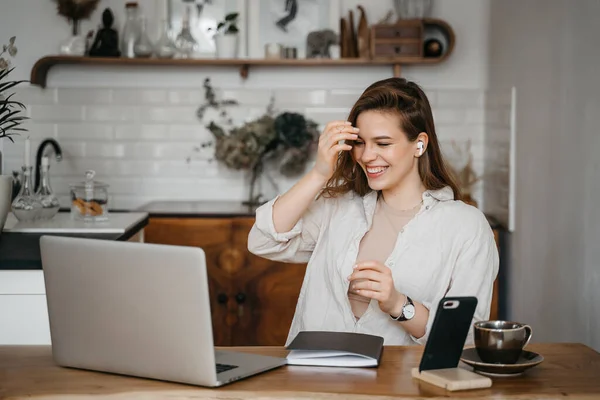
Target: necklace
<point x="407" y="214"/>
<point x="388" y="207"/>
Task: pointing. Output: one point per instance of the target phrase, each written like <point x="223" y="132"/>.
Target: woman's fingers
<point x="335" y="124"/>
<point x="341" y="147"/>
<point x="341" y="139"/>
<point x="367" y="274"/>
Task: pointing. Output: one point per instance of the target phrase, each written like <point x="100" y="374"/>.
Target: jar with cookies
<point x="89" y="199"/>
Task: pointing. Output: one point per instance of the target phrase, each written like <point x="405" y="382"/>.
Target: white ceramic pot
<point x="227" y="46"/>
<point x="73" y="46"/>
<point x="6" y="184"/>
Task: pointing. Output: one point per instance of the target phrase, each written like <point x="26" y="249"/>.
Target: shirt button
<point x="402" y="230"/>
<point x="427" y="208"/>
<point x="427" y="194"/>
<point x="391" y="263"/>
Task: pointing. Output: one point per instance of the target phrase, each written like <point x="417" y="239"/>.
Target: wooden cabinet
<point x="252" y="299"/>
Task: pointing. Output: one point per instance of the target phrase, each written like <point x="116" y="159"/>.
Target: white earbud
<point x="420" y="146"/>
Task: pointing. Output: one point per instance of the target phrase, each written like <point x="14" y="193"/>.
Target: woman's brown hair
<point x="407" y="100"/>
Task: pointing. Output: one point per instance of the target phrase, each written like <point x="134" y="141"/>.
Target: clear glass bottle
<point x="165" y="47"/>
<point x="48" y="200"/>
<point x="130" y="30"/>
<point x="143" y="46"/>
<point x="26" y="206"/>
<point x="185" y="42"/>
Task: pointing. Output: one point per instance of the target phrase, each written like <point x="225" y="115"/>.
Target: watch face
<point x="409" y="311"/>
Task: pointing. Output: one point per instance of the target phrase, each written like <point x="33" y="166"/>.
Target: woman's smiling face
<point x="383" y="150"/>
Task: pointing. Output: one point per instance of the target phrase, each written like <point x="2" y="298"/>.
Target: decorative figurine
<point x="318" y="42"/>
<point x="106" y="43"/>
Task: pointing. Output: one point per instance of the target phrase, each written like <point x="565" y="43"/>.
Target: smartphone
<point x="448" y="333"/>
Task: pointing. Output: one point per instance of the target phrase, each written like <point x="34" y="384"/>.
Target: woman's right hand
<point x="329" y="146"/>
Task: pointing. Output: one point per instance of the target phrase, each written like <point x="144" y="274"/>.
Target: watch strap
<point x="401" y="317"/>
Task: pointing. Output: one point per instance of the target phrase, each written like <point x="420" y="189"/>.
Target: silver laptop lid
<point x="129" y="308"/>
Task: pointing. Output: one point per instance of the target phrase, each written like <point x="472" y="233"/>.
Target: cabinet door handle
<point x="222" y="298"/>
<point x="240" y="298"/>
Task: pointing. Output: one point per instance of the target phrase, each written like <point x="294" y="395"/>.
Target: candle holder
<point x="26" y="206"/>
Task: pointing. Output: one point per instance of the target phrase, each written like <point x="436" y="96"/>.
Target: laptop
<point x="137" y="309"/>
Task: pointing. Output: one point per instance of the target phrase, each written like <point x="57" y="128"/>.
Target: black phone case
<point x="448" y="334"/>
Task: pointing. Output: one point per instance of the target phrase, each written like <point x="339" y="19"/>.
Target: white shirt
<point x="447" y="249"/>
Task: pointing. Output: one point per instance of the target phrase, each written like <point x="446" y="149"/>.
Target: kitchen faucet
<point x="40" y="153"/>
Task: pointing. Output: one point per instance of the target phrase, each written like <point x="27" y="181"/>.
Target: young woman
<point x="380" y="223"/>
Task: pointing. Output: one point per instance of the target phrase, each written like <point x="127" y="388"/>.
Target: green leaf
<point x="12" y="40"/>
<point x="232" y="29"/>
<point x="10" y="84"/>
<point x="5" y="72"/>
<point x="231" y="16"/>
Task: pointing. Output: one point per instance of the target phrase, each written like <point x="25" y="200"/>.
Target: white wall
<point x="135" y="127"/>
<point x="547" y="49"/>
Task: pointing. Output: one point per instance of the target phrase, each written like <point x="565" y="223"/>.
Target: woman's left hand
<point x="374" y="280"/>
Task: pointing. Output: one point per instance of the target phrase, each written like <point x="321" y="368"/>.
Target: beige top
<point x="447" y="249"/>
<point x="378" y="243"/>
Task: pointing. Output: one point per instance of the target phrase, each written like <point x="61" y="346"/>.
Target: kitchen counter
<point x="19" y="241"/>
<point x="218" y="209"/>
<point x="200" y="209"/>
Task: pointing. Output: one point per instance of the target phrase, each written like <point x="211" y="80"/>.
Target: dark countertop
<point x="219" y="209"/>
<point x="198" y="209"/>
<point x="21" y="251"/>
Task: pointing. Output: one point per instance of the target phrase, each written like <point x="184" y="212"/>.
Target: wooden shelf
<point x="40" y="70"/>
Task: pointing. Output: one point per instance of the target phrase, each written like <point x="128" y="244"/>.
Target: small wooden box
<point x="403" y="39"/>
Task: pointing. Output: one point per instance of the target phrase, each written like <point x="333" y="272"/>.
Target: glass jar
<point x="89" y="199"/>
<point x="130" y="30"/>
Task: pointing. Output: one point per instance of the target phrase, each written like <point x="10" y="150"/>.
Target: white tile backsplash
<point x="111" y="113"/>
<point x="140" y="97"/>
<point x="138" y="140"/>
<point x="30" y="95"/>
<point x="55" y="113"/>
<point x="186" y="97"/>
<point x="459" y="98"/>
<point x="141" y="132"/>
<point x="167" y="114"/>
<point x="84" y="96"/>
<point x="449" y="116"/>
<point x="84" y="131"/>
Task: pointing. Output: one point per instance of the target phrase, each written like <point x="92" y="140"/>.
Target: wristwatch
<point x="408" y="311"/>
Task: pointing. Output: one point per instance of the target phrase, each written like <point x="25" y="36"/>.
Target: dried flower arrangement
<point x="76" y="10"/>
<point x="286" y="139"/>
<point x="466" y="176"/>
<point x="10" y="110"/>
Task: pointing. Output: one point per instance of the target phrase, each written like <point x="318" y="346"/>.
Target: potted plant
<point x="10" y="119"/>
<point x="227" y="37"/>
<point x="75" y="11"/>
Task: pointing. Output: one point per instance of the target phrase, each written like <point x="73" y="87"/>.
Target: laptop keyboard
<point x="224" y="367"/>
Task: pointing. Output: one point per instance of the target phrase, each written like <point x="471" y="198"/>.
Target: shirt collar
<point x="370" y="200"/>
<point x="444" y="194"/>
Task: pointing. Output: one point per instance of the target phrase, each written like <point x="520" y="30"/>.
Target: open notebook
<point x="335" y="349"/>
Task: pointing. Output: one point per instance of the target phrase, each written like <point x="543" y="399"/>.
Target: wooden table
<point x="568" y="371"/>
